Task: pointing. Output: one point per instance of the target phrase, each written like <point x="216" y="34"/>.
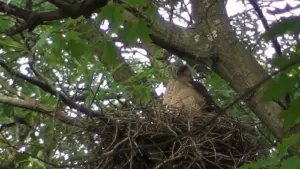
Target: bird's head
<point x="182" y="73"/>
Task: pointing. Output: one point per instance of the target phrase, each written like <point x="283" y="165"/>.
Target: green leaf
<point x="129" y="33"/>
<point x="21" y="158"/>
<point x="291" y="116"/>
<point x="5" y="22"/>
<point x="288" y="25"/>
<point x="250" y="166"/>
<point x="40" y="154"/>
<point x="3" y="143"/>
<point x="143" y="31"/>
<point x="74" y="36"/>
<point x="59" y="43"/>
<point x="279" y="86"/>
<point x="291" y="163"/>
<point x="279" y="61"/>
<point x="114" y="14"/>
<point x="116" y="67"/>
<point x="5" y="120"/>
<point x="287" y="142"/>
<point x="114" y="88"/>
<point x="28" y="89"/>
<point x="10" y="43"/>
<point x="145" y="93"/>
<point x="47" y="99"/>
<point x="43" y="38"/>
<point x="292" y="62"/>
<point x="7" y="111"/>
<point x="255" y="165"/>
<point x="151" y="11"/>
<point x="36" y="164"/>
<point x="110" y="57"/>
<point x="77" y="48"/>
<point x="159" y="54"/>
<point x="53" y="58"/>
<point x="138" y="2"/>
<point x="30" y="118"/>
<point x="19" y="112"/>
<point x="134" y="30"/>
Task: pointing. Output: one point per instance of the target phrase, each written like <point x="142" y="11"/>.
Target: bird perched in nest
<point x="186" y="94"/>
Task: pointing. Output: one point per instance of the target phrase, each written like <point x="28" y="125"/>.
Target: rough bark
<point x="234" y="63"/>
<point x="214" y="40"/>
<point x="238" y="67"/>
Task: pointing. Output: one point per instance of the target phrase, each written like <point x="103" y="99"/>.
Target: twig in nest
<point x="168" y="160"/>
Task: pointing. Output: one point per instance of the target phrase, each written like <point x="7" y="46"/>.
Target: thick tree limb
<point x="37" y="107"/>
<point x="175" y="38"/>
<point x="33" y="19"/>
<point x="237" y="66"/>
<point x="234" y="63"/>
<point x="60" y="4"/>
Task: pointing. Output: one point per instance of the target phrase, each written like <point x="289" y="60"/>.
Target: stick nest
<point x="155" y="138"/>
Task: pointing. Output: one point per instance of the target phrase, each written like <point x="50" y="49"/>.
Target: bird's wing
<point x="183" y="96"/>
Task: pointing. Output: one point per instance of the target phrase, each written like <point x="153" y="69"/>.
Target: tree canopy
<point x="66" y="66"/>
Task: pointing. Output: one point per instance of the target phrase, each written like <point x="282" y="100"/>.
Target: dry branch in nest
<point x="155" y="138"/>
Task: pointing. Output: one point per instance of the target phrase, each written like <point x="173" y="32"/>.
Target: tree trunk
<point x="234" y="63"/>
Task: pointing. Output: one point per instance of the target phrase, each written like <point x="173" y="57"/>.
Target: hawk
<point x="186" y="94"/>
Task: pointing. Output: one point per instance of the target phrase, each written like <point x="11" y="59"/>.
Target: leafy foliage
<point x="287" y="25"/>
<point x="287" y="82"/>
<point x="279" y="159"/>
<point x="68" y="69"/>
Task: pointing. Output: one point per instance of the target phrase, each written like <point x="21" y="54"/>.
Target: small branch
<point x="37" y="107"/>
<point x="13" y="90"/>
<point x="274" y="41"/>
<point x="168" y="160"/>
<point x="36" y="157"/>
<point x="29" y="4"/>
<point x="286" y="9"/>
<point x="14" y="10"/>
<point x="33" y="19"/>
<point x="251" y="91"/>
<point x="264" y="21"/>
<point x="50" y="89"/>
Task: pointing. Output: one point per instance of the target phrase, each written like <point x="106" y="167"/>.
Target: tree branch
<point x="13" y="90"/>
<point x="37" y="107"/>
<point x="264" y="21"/>
<point x="33" y="19"/>
<point x="274" y="41"/>
<point x="50" y="89"/>
<point x="60" y="4"/>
